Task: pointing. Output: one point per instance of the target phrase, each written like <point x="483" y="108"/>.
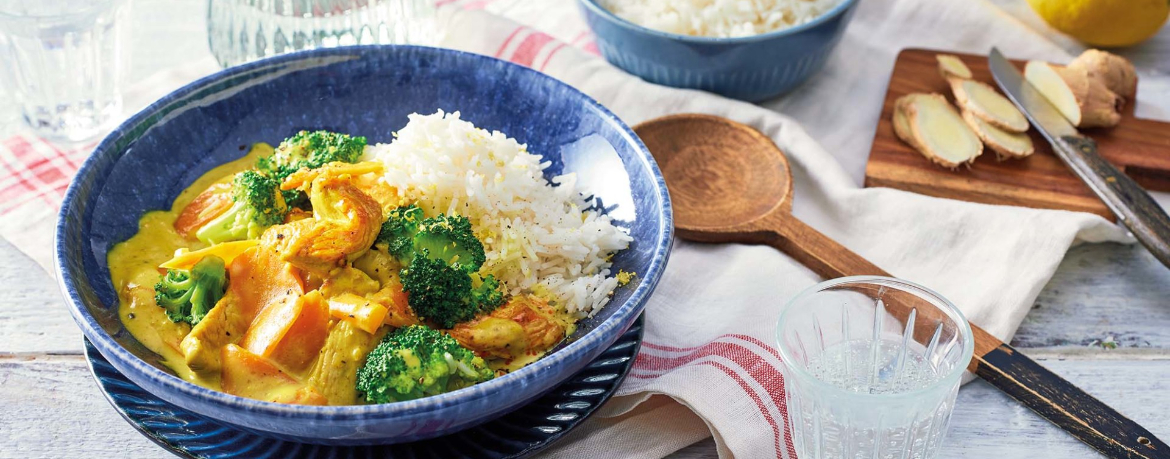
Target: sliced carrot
<point x="366" y="314"/>
<point x="228" y="251"/>
<point x="394" y="297"/>
<point x="290" y="332"/>
<point x="259" y="277"/>
<point x="208" y="205"/>
<point x="302" y="344"/>
<point x="398" y="293"/>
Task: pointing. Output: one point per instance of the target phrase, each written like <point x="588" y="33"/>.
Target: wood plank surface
<point x="53" y="409"/>
<point x="33" y="318"/>
<point x="1102" y="293"/>
<point x="1139" y="147"/>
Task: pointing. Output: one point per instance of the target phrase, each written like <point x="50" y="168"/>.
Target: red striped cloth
<point x="36" y="171"/>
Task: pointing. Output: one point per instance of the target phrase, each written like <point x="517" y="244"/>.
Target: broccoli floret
<point x="398" y="231"/>
<point x="257" y="204"/>
<point x="442" y="258"/>
<point x="445" y="294"/>
<point x="488" y="295"/>
<point x="446" y="238"/>
<point x="449" y="238"/>
<point x="189" y="295"/>
<point x="311" y="149"/>
<point x="416" y="361"/>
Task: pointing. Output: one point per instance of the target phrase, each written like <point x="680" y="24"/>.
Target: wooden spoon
<point x="730" y="183"/>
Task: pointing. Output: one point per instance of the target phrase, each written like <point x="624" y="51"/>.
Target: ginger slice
<point x="1084" y="101"/>
<point x="989" y="105"/>
<point x="1116" y="72"/>
<point x="931" y="125"/>
<point x="951" y="67"/>
<point x="1005" y="144"/>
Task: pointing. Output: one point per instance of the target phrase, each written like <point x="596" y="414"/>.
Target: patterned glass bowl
<point x="752" y="68"/>
<point x="143" y="164"/>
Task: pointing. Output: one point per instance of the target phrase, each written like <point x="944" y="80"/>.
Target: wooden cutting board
<point x="1140" y="148"/>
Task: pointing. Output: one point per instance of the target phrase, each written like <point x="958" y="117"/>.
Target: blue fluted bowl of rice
<point x="570" y="157"/>
<point x="722" y="46"/>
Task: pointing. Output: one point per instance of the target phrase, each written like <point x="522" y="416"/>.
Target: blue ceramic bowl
<point x="751" y="68"/>
<point x="144" y="163"/>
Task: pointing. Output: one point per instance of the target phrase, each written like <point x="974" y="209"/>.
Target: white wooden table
<point x="1103" y="322"/>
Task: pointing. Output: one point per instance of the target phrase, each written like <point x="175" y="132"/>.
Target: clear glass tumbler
<point x="871" y="368"/>
<point x="243" y="30"/>
<point x="63" y="62"/>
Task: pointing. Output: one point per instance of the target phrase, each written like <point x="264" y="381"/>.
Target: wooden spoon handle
<point x="998" y="363"/>
<point x="818" y="252"/>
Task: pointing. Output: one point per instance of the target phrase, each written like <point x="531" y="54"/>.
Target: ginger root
<point x="1005" y="144"/>
<point x="1085" y="101"/>
<point x="951" y="67"/>
<point x="984" y="102"/>
<point x="931" y="125"/>
<point x="1117" y="73"/>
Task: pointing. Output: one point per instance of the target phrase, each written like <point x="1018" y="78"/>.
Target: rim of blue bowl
<point x="110" y="348"/>
<point x="602" y="11"/>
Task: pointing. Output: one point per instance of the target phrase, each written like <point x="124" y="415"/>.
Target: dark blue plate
<point x="520" y="433"/>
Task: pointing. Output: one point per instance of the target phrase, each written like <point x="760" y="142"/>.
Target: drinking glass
<point x="871" y="368"/>
<point x="63" y="61"/>
<point x="243" y="30"/>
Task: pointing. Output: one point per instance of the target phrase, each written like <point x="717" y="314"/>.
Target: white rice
<point x="538" y="237"/>
<point x="719" y="18"/>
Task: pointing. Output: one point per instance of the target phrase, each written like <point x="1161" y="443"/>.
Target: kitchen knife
<point x="1070" y="408"/>
<point x="1133" y="206"/>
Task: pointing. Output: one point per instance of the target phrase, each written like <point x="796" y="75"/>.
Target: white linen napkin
<point x="708" y="365"/>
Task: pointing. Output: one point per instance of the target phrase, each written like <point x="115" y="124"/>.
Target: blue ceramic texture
<point x="751" y="68"/>
<point x="517" y="434"/>
<point x="144" y="163"/>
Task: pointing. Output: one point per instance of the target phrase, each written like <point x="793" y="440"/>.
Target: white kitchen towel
<point x="708" y="365"/>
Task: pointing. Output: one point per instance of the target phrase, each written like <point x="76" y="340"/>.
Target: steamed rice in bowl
<point x="538" y="236"/>
<point x="719" y="18"/>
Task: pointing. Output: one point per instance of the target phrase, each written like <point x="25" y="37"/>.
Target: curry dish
<point x="302" y="275"/>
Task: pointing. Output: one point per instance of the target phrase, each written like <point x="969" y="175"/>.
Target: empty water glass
<point x="871" y="368"/>
<point x="63" y="61"/>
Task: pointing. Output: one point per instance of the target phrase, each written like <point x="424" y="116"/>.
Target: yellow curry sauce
<point x="134" y="271"/>
<point x="134" y="268"/>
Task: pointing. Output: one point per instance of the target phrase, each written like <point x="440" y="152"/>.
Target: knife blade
<point x="1125" y="198"/>
<point x="1050" y="396"/>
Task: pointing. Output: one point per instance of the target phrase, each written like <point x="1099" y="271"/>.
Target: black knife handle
<point x="1133" y="206"/>
<point x="1067" y="406"/>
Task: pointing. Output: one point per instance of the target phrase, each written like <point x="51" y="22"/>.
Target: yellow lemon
<point x="1104" y="23"/>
